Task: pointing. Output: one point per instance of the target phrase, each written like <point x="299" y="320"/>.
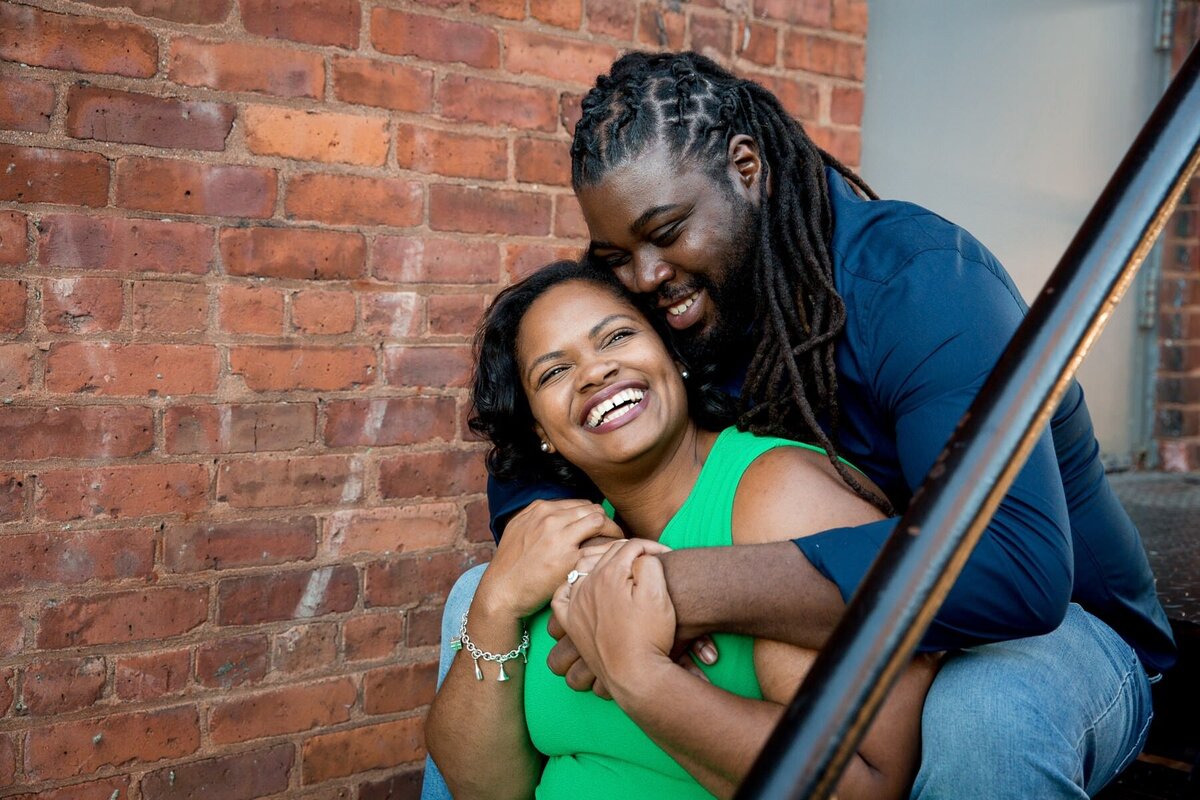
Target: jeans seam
<point x="1130" y="674"/>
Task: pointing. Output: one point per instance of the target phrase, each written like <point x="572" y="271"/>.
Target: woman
<point x="574" y="381"/>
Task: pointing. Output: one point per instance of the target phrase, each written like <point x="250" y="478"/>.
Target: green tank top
<point x="594" y="750"/>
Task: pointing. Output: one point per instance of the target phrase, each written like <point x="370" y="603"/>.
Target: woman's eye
<point x="550" y="375"/>
<point x="616" y="336"/>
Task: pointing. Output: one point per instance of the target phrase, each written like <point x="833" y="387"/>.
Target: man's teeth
<point x="619" y="404"/>
<point x="678" y="309"/>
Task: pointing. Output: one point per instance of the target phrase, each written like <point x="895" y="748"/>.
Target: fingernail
<point x="708" y="654"/>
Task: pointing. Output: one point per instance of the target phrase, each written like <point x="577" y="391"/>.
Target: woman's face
<point x="602" y="386"/>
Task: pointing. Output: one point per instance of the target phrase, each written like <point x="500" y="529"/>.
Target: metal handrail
<point x="898" y="598"/>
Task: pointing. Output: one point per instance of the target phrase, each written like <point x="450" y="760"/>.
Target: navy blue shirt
<point x="929" y="311"/>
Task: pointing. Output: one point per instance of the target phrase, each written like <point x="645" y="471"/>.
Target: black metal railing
<point x="889" y="613"/>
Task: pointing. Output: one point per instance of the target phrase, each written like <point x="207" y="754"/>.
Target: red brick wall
<point x="1179" y="303"/>
<point x="241" y="254"/>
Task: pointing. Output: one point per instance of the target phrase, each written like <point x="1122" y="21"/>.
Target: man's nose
<point x="650" y="271"/>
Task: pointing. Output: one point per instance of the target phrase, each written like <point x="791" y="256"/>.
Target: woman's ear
<point x="746" y="166"/>
<point x="540" y="432"/>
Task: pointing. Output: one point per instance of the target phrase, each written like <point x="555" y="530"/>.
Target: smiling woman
<point x="573" y="379"/>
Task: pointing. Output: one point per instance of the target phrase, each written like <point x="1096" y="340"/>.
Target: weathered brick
<point x="573" y="60"/>
<point x="16" y="361"/>
<point x="382" y="84"/>
<point x="226" y="663"/>
<point x="334" y="755"/>
<point x="185" y="187"/>
<point x="304" y="648"/>
<point x="25" y="105"/>
<point x="457" y="155"/>
<point x="82" y="305"/>
<point x="288" y="710"/>
<point x="400" y="687"/>
<point x="115" y="788"/>
<point x="414" y="579"/>
<point x="12" y="506"/>
<point x="8" y="759"/>
<point x="850" y="16"/>
<point x="478" y="522"/>
<point x="393" y="315"/>
<point x="250" y="309"/>
<point x="476" y="210"/>
<point x="287" y="595"/>
<point x="442" y="473"/>
<point x="843" y="144"/>
<point x="57" y="687"/>
<point x="383" y="422"/>
<point x="67" y="558"/>
<point x="543" y="161"/>
<point x="388" y="530"/>
<point x="434" y="39"/>
<point x="111" y="492"/>
<point x="316" y="135"/>
<point x="758" y="42"/>
<point x="204" y="12"/>
<point x="114" y="116"/>
<point x="354" y="200"/>
<point x="34" y="433"/>
<point x="240" y="776"/>
<point x="14" y="244"/>
<point x="455" y="314"/>
<point x="153" y="675"/>
<point x="471" y="99"/>
<point x="823" y="55"/>
<point x="247" y="67"/>
<point x="712" y="36"/>
<point x="42" y="175"/>
<point x="252" y="428"/>
<point x="82" y="747"/>
<point x="521" y="260"/>
<point x="570" y="110"/>
<point x="393" y="787"/>
<point x="317" y="312"/>
<point x="300" y="481"/>
<point x="420" y="259"/>
<point x="615" y="18"/>
<point x="13" y="301"/>
<point x="169" y="306"/>
<point x="124" y="245"/>
<point x="7" y="695"/>
<point x="662" y="27"/>
<point x="31" y="36"/>
<point x="800" y="98"/>
<point x="372" y="636"/>
<point x="560" y="13"/>
<point x="810" y="13"/>
<point x="568" y="218"/>
<point x="507" y="9"/>
<point x="436" y="366"/>
<point x="287" y="367"/>
<point x="332" y="22"/>
<point x="122" y="617"/>
<point x="293" y="253"/>
<point x="245" y="543"/>
<point x="12" y="630"/>
<point x="104" y="368"/>
<point x="846" y="105"/>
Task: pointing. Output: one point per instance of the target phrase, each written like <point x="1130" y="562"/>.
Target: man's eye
<point x="613" y="261"/>
<point x="667" y="234"/>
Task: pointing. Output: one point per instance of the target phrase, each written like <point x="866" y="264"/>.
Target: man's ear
<point x="746" y="165"/>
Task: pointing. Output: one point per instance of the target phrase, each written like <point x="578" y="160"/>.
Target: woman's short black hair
<point x="501" y="412"/>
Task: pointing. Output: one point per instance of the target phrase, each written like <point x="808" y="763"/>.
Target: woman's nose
<point x="595" y="371"/>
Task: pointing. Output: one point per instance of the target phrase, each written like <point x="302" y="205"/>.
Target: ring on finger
<point x="575" y="575"/>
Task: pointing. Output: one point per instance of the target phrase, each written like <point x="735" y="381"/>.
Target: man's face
<point x="685" y="241"/>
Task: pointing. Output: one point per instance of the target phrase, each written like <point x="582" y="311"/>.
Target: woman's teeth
<point x="617" y="405"/>
<point x="676" y="310"/>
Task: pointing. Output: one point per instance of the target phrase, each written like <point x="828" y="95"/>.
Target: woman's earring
<point x="545" y="447"/>
<point x="683" y="373"/>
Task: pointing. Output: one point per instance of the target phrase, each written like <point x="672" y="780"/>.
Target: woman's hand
<point x="540" y="546"/>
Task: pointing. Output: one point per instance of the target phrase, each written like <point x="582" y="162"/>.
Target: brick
<point x="16" y="361"/>
<point x="800" y="98"/>
<point x="405" y="785"/>
<point x="559" y="13"/>
<point x="8" y="760"/>
<point x="170" y="307"/>
<point x="434" y="39"/>
<point x="570" y="110"/>
<point x="82" y="305"/>
<point x="76" y="748"/>
<point x="289" y="710"/>
<point x="106" y="369"/>
<point x="443" y="473"/>
<point x="305" y="648"/>
<point x="122" y="617"/>
<point x="414" y="579"/>
<point x="712" y="36"/>
<point x="110" y="492"/>
<point x="455" y="314"/>
<point x="335" y="755"/>
<point x="6" y="690"/>
<point x="14" y="244"/>
<point x="422" y="367"/>
<point x="300" y="481"/>
<point x="35" y="433"/>
<point x="478" y="522"/>
<point x="58" y="687"/>
<point x="393" y="315"/>
<point x="382" y="84"/>
<point x="846" y="105"/>
<point x="184" y="187"/>
<point x="615" y="18"/>
<point x="243" y="543"/>
<point x="384" y="531"/>
<point x="850" y="16"/>
<point x="321" y="313"/>
<point x="114" y="244"/>
<point x="251" y="428"/>
<point x="316" y="135"/>
<point x="42" y="175"/>
<point x="354" y="200"/>
<point x="287" y="595"/>
<point x="13" y="300"/>
<point x="12" y="507"/>
<point x="12" y="630"/>
<point x="568" y="218"/>
<point x="452" y="154"/>
<point x="823" y="55"/>
<point x="250" y="309"/>
<point x="758" y="42"/>
<point x="372" y="636"/>
<point x="247" y="67"/>
<point x="421" y="259"/>
<point x="39" y="38"/>
<point x="239" y="776"/>
<point x="424" y="624"/>
<point x="570" y="60"/>
<point x="293" y="253"/>
<point x="288" y="367"/>
<point x="844" y="145"/>
<point x="67" y="558"/>
<point x="116" y="788"/>
<point x="811" y="13"/>
<point x="476" y="210"/>
<point x="204" y="12"/>
<point x="401" y="687"/>
<point x="661" y="27"/>
<point x="507" y="9"/>
<point x="521" y="260"/>
<point x="331" y="22"/>
<point x="226" y="663"/>
<point x="384" y="422"/>
<point x="113" y="116"/>
<point x="543" y="161"/>
<point x="471" y="99"/>
<point x="153" y="675"/>
<point x="25" y="105"/>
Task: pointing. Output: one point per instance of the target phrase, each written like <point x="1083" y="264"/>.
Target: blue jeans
<point x="1054" y="716"/>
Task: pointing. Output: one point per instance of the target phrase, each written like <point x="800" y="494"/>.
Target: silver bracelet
<point x="464" y="641"/>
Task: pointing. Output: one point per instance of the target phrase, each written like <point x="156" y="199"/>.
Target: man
<point x="868" y="327"/>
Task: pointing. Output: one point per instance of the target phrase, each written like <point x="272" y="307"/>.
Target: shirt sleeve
<point x="506" y="498"/>
<point x="931" y="336"/>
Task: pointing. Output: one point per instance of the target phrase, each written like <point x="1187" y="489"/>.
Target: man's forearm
<point x="769" y="591"/>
